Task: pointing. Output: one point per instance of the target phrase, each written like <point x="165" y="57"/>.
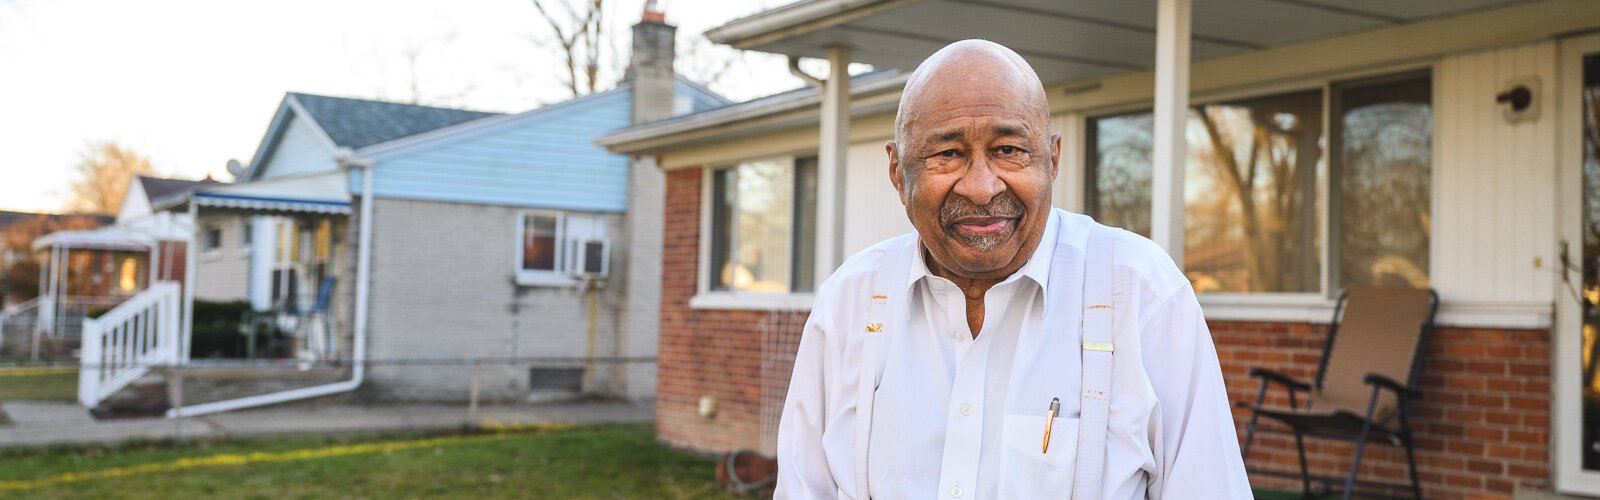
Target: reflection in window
<point x="1250" y="190"/>
<point x="1385" y="162"/>
<point x="762" y="226"/>
<point x="539" y="234"/>
<point x="1590" y="355"/>
<point x="128" y="274"/>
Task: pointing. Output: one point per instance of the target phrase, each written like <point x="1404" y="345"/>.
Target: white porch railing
<point x="125" y="342"/>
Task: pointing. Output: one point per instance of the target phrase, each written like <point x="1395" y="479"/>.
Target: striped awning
<point x="271" y="204"/>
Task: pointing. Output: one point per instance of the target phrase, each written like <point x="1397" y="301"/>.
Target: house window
<point x="1252" y="209"/>
<point x="1384" y="131"/>
<point x="212" y="240"/>
<point x="541" y="251"/>
<point x="763" y="226"/>
<point x="128" y="274"/>
<point x="246" y="236"/>
<point x="553" y="247"/>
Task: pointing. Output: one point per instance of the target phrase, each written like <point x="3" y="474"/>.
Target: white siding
<point x="222" y="274"/>
<point x="300" y="150"/>
<point x="1494" y="238"/>
<point x="872" y="208"/>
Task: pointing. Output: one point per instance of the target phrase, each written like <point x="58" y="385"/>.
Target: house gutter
<point x="346" y="159"/>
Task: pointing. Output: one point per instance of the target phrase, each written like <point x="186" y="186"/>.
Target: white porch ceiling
<point x="1067" y="39"/>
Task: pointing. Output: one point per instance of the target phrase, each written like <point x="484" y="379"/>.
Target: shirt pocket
<point x="1027" y="470"/>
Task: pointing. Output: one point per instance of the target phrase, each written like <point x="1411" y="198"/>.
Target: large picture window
<point x="1253" y="214"/>
<point x="763" y="226"/>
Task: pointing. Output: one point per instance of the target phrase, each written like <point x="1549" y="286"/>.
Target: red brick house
<point x="1310" y="146"/>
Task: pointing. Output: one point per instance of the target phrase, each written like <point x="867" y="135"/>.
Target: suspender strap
<point x="1097" y="361"/>
<point x="885" y="311"/>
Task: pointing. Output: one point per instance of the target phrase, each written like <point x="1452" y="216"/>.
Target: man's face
<point x="974" y="167"/>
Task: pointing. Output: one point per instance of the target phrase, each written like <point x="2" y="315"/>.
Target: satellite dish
<point x="235" y="168"/>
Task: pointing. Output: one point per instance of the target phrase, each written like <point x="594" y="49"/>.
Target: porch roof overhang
<point x="1066" y="41"/>
<point x="323" y="193"/>
<point x="106" y="238"/>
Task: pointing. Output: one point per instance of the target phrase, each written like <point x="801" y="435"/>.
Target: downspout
<point x="346" y="159"/>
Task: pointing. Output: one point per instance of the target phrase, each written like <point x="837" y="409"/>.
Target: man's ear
<point x="1055" y="155"/>
<point x="895" y="176"/>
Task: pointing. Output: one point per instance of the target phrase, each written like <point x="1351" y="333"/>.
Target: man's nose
<point x="979" y="184"/>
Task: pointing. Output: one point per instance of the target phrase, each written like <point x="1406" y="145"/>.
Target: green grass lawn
<point x="617" y="461"/>
<point x="38" y="385"/>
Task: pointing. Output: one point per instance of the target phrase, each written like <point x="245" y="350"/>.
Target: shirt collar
<point x="1037" y="268"/>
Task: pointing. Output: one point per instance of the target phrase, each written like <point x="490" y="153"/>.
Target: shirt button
<point x="956" y="335"/>
<point x="966" y="411"/>
<point x="956" y="491"/>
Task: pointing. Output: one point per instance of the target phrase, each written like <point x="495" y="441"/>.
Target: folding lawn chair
<point x="1365" y="382"/>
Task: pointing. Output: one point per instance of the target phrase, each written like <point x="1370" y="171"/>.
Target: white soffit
<point x="1075" y="39"/>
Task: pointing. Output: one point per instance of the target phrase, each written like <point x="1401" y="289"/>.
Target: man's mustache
<point x="956" y="207"/>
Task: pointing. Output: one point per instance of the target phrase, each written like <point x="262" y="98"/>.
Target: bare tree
<point x="104" y="171"/>
<point x="415" y="89"/>
<point x="578" y="29"/>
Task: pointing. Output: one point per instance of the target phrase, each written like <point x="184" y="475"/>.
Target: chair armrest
<point x="1272" y="376"/>
<point x="1390" y="384"/>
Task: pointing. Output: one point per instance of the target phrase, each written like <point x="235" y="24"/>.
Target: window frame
<point x="559" y="276"/>
<point x="209" y="247"/>
<point x="707" y="298"/>
<point x="1277" y="306"/>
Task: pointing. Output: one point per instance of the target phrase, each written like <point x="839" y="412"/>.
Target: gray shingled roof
<point x="157" y="189"/>
<point x="358" y="123"/>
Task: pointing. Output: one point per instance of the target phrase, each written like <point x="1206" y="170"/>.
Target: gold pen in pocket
<point x="1050" y="418"/>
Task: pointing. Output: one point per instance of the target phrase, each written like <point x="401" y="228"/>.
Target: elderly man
<point x="1005" y="349"/>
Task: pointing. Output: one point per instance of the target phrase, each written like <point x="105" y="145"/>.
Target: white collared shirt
<point x="955" y="417"/>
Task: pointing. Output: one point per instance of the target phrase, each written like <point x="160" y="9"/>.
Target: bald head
<point x="968" y="68"/>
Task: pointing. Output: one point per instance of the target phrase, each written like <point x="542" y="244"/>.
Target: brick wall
<point x="1483" y="426"/>
<point x="739" y="358"/>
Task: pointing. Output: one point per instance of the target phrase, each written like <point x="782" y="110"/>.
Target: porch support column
<point x="187" y="324"/>
<point x="831" y="162"/>
<point x="1171" y="117"/>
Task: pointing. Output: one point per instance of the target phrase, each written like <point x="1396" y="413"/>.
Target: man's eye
<point x="948" y="153"/>
<point x="1008" y="150"/>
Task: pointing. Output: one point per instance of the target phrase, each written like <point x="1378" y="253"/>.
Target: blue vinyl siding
<point x="544" y="159"/>
<point x="299" y="151"/>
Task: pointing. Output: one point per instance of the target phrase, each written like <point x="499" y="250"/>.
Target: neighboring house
<point x="417" y="239"/>
<point x="139" y="211"/>
<point x="101" y="275"/>
<point x="1387" y="158"/>
<point x="16" y="226"/>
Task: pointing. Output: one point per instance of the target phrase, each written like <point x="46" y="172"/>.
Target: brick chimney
<point x="650" y="67"/>
<point x="654" y="84"/>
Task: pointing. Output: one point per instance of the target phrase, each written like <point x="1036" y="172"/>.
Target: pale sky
<point x="193" y="83"/>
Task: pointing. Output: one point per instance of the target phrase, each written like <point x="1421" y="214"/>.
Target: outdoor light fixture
<point x="1516" y="100"/>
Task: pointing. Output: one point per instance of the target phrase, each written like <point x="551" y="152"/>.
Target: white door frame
<point x="1567" y="402"/>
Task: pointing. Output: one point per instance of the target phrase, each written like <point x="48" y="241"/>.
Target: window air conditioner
<point x="590" y="258"/>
